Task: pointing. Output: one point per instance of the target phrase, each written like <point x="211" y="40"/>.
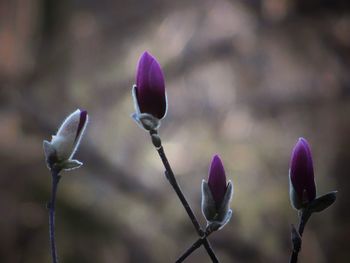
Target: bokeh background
<point x="244" y="79"/>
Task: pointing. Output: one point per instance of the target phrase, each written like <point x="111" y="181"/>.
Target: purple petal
<point x="150" y="86"/>
<point x="217" y="180"/>
<point x="301" y="170"/>
<point x="82" y="120"/>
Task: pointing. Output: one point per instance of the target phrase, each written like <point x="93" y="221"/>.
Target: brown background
<point x="244" y="79"/>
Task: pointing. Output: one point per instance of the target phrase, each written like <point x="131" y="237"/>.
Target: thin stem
<point x="210" y="251"/>
<point x="51" y="206"/>
<point x="296" y="248"/>
<point x="194" y="246"/>
<point x="189" y="251"/>
<point x="172" y="180"/>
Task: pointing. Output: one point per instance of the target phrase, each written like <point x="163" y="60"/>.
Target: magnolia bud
<point x="302" y="185"/>
<point x="149" y="93"/>
<point x="216" y="196"/>
<point x="60" y="151"/>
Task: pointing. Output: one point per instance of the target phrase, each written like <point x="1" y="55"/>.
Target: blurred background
<point x="244" y="79"/>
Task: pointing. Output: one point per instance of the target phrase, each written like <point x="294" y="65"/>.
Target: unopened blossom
<point x="217" y="180"/>
<point x="216" y="196"/>
<point x="64" y="144"/>
<point x="150" y="87"/>
<point x="301" y="175"/>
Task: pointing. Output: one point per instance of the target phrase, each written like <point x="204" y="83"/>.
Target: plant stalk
<point x="194" y="247"/>
<point x="303" y="218"/>
<point x="51" y="206"/>
<point x="172" y="180"/>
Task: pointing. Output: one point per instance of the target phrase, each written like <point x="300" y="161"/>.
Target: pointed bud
<point x="216" y="196"/>
<point x="301" y="175"/>
<point x="150" y="87"/>
<point x="65" y="143"/>
<point x="149" y="92"/>
<point x="217" y="180"/>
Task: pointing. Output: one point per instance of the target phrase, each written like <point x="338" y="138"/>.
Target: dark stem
<point x="303" y="218"/>
<point x="194" y="246"/>
<point x="172" y="180"/>
<point x="51" y="206"/>
<point x="189" y="251"/>
<point x="210" y="251"/>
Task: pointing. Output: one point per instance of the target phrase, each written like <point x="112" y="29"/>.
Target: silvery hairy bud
<point x="216" y="196"/>
<point x="60" y="151"/>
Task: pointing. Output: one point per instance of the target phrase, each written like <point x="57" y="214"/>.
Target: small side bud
<point x="156" y="141"/>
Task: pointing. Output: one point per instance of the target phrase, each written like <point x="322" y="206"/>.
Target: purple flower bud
<point x="302" y="174"/>
<point x="150" y="87"/>
<point x="217" y="180"/>
<point x="216" y="197"/>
